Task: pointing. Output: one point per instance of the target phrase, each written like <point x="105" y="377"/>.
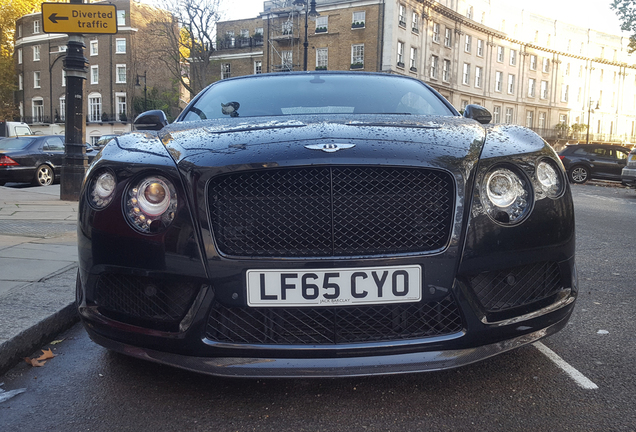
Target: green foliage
<point x="626" y="12"/>
<point x="167" y="101"/>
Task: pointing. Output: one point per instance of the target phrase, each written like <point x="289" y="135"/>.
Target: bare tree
<point x="190" y="29"/>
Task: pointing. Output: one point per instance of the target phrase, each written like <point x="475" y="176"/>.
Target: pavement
<point x="38" y="265"/>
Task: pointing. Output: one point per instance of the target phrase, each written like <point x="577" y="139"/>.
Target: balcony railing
<point x="238" y="43"/>
<point x="554" y="134"/>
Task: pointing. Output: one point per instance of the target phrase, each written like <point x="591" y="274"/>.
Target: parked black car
<point x="35" y="159"/>
<point x="300" y="224"/>
<point x="628" y="175"/>
<point x="594" y="161"/>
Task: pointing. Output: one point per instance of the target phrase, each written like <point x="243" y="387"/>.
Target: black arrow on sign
<point x="54" y="18"/>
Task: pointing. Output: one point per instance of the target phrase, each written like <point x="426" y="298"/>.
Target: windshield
<point x="288" y="95"/>
<point x="15" y="143"/>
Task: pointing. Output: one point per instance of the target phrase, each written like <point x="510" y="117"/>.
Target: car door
<point x="603" y="162"/>
<point x="54" y="149"/>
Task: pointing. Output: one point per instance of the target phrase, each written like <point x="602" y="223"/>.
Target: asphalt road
<point x="86" y="388"/>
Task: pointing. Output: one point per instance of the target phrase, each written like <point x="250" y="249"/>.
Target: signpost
<point x="75" y="19"/>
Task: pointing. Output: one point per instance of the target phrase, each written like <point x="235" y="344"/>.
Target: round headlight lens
<point x="505" y="196"/>
<point x="102" y="189"/>
<point x="151" y="204"/>
<point x="549" y="179"/>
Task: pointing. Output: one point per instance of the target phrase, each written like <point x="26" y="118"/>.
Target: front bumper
<point x="628" y="177"/>
<point x="246" y="367"/>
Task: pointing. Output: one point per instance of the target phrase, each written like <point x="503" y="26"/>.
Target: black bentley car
<point x="324" y="224"/>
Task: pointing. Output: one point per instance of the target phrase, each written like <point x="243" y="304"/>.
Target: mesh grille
<point x="331" y="211"/>
<point x="144" y="298"/>
<point x="335" y="325"/>
<point x="517" y="286"/>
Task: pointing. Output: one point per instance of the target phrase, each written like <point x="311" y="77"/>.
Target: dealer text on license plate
<point x="334" y="287"/>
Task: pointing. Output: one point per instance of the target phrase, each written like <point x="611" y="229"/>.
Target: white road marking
<point x="577" y="376"/>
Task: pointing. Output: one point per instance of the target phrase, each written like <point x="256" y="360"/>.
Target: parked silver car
<point x="628" y="175"/>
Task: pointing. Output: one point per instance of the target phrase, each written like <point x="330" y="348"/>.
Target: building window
<point x="498" y="81"/>
<point x="567" y="70"/>
<point x="500" y="54"/>
<point x="436" y="32"/>
<point x="36" y="26"/>
<point x="62" y="113"/>
<point x="19" y="55"/>
<point x="19" y="30"/>
<point x="402" y="16"/>
<point x="480" y="48"/>
<point x="36" y="79"/>
<point x="446" y="70"/>
<point x="95" y="74"/>
<point x="400" y="54"/>
<point x="464" y="103"/>
<point x="62" y="48"/>
<point x="578" y="94"/>
<point x="413" y="60"/>
<point x="322" y="24"/>
<point x="565" y="89"/>
<point x="121" y="17"/>
<point x="36" y="53"/>
<point x="226" y="71"/>
<point x="258" y="67"/>
<point x="542" y="118"/>
<point x="496" y="114"/>
<point x="478" y="77"/>
<point x="245" y="34"/>
<point x="466" y="74"/>
<point x="513" y="58"/>
<point x="544" y="89"/>
<point x="529" y="119"/>
<point x="601" y="75"/>
<point x="546" y="65"/>
<point x="20" y="82"/>
<point x="63" y="78"/>
<point x="469" y="12"/>
<point x="37" y="109"/>
<point x="287" y="58"/>
<point x="434" y="66"/>
<point x="533" y="62"/>
<point x="120" y="74"/>
<point x="120" y="46"/>
<point x="122" y="106"/>
<point x="509" y="115"/>
<point x="448" y="37"/>
<point x="415" y="25"/>
<point x="468" y="41"/>
<point x="322" y="58"/>
<point x="93" y="48"/>
<point x="357" y="56"/>
<point x="94" y="107"/>
<point x="358" y="19"/>
<point x="531" y="87"/>
<point x="511" y="84"/>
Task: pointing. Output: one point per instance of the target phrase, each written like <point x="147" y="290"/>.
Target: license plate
<point x="334" y="287"/>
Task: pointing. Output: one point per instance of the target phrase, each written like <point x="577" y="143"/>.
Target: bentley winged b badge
<point x="329" y="148"/>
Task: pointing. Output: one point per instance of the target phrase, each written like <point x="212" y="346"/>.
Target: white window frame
<point x="496" y="114"/>
<point x="478" y="76"/>
<point x="542" y="118"/>
<point x="544" y="90"/>
<point x="498" y="81"/>
<point x="36" y="26"/>
<point x="357" y="54"/>
<point x="62" y="112"/>
<point x="529" y="119"/>
<point x="415" y="22"/>
<point x="118" y="45"/>
<point x="545" y="68"/>
<point x="37" y="79"/>
<point x="36" y="52"/>
<point x="359" y="16"/>
<point x="413" y="59"/>
<point x="20" y="82"/>
<point x="258" y="67"/>
<point x="533" y="62"/>
<point x="466" y="74"/>
<point x="565" y="90"/>
<point x="63" y="78"/>
<point x="532" y="87"/>
<point x="322" y="57"/>
<point x="121" y="107"/>
<point x="94" y="112"/>
<point x="511" y="84"/>
<point x="400" y="54"/>
<point x="468" y="42"/>
<point x="121" y="17"/>
<point x="513" y="57"/>
<point x="322" y="21"/>
<point x="402" y="15"/>
<point x="19" y="55"/>
<point x="95" y="74"/>
<point x="118" y="69"/>
<point x="226" y="70"/>
<point x="434" y="66"/>
<point x="480" y="47"/>
<point x="436" y="32"/>
<point x="37" y="114"/>
<point x="500" y="54"/>
<point x="94" y="47"/>
<point x="446" y="66"/>
<point x="448" y="37"/>
<point x="510" y="115"/>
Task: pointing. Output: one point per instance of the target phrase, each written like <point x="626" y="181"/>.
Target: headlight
<point x="550" y="180"/>
<point x="102" y="189"/>
<point x="505" y="196"/>
<point x="151" y="204"/>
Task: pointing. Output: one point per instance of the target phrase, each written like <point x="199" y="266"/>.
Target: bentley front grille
<point x="518" y="286"/>
<point x="331" y="211"/>
<point x="333" y="325"/>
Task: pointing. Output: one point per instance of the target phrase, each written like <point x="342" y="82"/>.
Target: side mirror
<point x="151" y="120"/>
<point x="477" y="112"/>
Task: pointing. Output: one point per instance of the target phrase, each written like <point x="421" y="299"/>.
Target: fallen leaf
<point x="34" y="362"/>
<point x="55" y="342"/>
<point x="46" y="354"/>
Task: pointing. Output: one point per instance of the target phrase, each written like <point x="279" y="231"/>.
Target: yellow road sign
<point x="79" y="18"/>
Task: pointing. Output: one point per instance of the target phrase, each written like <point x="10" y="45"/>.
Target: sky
<point x="595" y="14"/>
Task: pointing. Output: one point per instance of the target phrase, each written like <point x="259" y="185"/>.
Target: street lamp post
<point x="310" y="11"/>
<point x="589" y="116"/>
<point x="137" y="84"/>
